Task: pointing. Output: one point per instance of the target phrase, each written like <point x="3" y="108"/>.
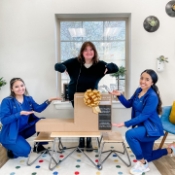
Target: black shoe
<point x="89" y="144"/>
<point x="81" y="144"/>
<point x="39" y="148"/>
<point x="10" y="154"/>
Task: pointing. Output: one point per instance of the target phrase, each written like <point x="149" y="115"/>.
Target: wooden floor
<point x="165" y="165"/>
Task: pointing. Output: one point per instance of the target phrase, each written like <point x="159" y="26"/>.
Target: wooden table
<point x="58" y="135"/>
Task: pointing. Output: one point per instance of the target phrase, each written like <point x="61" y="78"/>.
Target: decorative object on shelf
<point x="170" y="8"/>
<point x="92" y="99"/>
<point x="151" y="24"/>
<point x="160" y="63"/>
<point x="119" y="75"/>
<point x="2" y="82"/>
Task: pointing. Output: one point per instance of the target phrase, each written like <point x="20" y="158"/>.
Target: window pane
<point x="107" y="36"/>
<point x="68" y="30"/>
<point x="94" y="30"/>
<point x="114" y="30"/>
<point x="70" y="50"/>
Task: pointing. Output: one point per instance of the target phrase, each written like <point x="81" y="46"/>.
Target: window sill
<point x="67" y="105"/>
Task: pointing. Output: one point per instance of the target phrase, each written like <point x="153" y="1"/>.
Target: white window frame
<point x="73" y="17"/>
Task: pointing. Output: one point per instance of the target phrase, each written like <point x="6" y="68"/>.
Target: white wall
<point x="27" y="43"/>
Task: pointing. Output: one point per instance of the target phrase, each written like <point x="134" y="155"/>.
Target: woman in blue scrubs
<point x="18" y="119"/>
<point x="146" y="124"/>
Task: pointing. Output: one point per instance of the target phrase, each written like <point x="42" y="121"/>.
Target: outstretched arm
<point x="65" y="66"/>
<point x="43" y="106"/>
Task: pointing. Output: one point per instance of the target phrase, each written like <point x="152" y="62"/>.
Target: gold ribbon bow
<point x="92" y="99"/>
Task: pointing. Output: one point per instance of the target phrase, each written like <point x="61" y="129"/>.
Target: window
<point x="108" y="36"/>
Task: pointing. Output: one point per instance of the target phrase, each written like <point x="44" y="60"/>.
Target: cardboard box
<point x="3" y="156"/>
<point x="84" y="118"/>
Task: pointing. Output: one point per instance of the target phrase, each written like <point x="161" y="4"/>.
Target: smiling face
<point x="88" y="53"/>
<point x="145" y="81"/>
<point x="18" y="88"/>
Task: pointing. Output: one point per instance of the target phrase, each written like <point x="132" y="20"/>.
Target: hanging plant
<point x="2" y="82"/>
<point x="163" y="59"/>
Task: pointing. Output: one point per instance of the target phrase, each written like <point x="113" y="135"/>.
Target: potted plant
<point x="160" y="63"/>
<point x="2" y="82"/>
<point x="119" y="75"/>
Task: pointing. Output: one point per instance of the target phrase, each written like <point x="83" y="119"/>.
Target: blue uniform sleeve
<point x="127" y="103"/>
<point x="37" y="107"/>
<point x="6" y="116"/>
<point x="149" y="108"/>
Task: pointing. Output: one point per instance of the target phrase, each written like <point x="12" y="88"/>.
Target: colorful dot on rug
<point x="17" y="167"/>
<point x="78" y="160"/>
<point x="114" y="155"/>
<point x="21" y="161"/>
<point x="132" y="155"/>
<point x="96" y="160"/>
<point x="34" y="173"/>
<point x="78" y="155"/>
<point x="77" y="166"/>
<point x="41" y="161"/>
<point x="44" y="155"/>
<point x="61" y="156"/>
<point x="116" y="160"/>
<point x="118" y="166"/>
<point x="112" y="147"/>
<point x="96" y="155"/>
<point x="76" y="173"/>
<point x="120" y="173"/>
<point x="55" y="173"/>
<point x="97" y="173"/>
<point x="134" y="161"/>
<point x="13" y="173"/>
<point x="37" y="166"/>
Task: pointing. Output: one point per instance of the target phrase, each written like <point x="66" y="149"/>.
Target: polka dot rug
<point x="76" y="164"/>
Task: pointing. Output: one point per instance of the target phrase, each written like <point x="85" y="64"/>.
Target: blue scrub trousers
<point x="142" y="145"/>
<point x="21" y="147"/>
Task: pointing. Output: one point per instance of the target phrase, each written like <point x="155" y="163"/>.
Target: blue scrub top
<point x="138" y="106"/>
<point x="23" y="120"/>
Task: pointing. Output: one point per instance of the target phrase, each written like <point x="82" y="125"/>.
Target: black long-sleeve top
<point x="82" y="78"/>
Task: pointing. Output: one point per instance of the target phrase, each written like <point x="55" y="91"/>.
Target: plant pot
<point x="160" y="66"/>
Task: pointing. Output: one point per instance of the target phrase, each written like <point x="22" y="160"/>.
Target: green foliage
<point x="121" y="72"/>
<point x="2" y="82"/>
<point x="163" y="59"/>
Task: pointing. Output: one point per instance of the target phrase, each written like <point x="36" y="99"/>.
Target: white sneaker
<point x="173" y="153"/>
<point x="139" y="168"/>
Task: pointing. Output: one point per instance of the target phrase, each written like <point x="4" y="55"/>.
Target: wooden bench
<point x="58" y="135"/>
<point x="42" y="137"/>
<point x="113" y="137"/>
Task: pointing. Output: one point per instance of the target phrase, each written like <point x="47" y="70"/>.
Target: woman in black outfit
<point x="85" y="72"/>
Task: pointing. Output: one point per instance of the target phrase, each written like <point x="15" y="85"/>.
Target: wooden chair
<point x="113" y="137"/>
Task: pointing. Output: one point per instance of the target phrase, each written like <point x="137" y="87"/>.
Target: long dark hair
<point x="12" y="81"/>
<point x="154" y="78"/>
<point x="83" y="47"/>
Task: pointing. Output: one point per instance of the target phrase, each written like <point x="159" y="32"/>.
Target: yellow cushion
<point x="172" y="114"/>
